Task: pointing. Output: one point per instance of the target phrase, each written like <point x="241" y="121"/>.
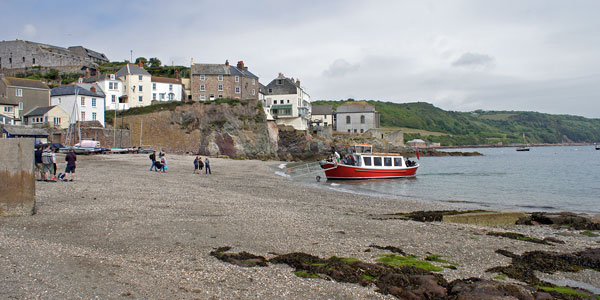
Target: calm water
<point x="543" y="179"/>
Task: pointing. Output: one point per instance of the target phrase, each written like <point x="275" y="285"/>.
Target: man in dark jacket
<point x="38" y="160"/>
<point x="153" y="159"/>
<point x="71" y="158"/>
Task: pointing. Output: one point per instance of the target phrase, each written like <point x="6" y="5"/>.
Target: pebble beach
<point x="120" y="231"/>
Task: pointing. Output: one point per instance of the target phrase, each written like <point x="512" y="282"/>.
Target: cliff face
<point x="236" y="130"/>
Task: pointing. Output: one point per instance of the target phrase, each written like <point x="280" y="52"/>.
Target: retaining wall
<point x="17" y="180"/>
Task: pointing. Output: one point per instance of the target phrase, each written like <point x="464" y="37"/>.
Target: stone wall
<point x="17" y="180"/>
<point x="20" y="54"/>
<point x="106" y="137"/>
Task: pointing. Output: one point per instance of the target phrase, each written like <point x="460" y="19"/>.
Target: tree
<point x="155" y="62"/>
<point x="142" y="59"/>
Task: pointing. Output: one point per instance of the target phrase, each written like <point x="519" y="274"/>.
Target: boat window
<point x="377" y="161"/>
<point x="387" y="161"/>
<point x="397" y="161"/>
<point x="367" y="161"/>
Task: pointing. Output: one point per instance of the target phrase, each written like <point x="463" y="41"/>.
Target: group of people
<point x="198" y="165"/>
<point x="45" y="164"/>
<point x="159" y="164"/>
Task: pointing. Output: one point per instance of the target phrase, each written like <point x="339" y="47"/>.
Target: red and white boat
<point x="362" y="163"/>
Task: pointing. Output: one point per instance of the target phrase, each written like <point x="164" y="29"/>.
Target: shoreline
<point x="121" y="231"/>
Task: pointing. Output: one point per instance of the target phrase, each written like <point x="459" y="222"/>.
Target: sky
<point x="462" y="55"/>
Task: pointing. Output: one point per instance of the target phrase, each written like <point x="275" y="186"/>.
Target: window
<point x="139" y="88"/>
<point x="56" y="121"/>
<point x="270" y="90"/>
<point x="212" y="96"/>
<point x="203" y="97"/>
<point x="59" y="101"/>
<point x="161" y="96"/>
<point x="202" y="77"/>
<point x="8" y="109"/>
<point x="141" y="98"/>
<point x="367" y="161"/>
<point x="171" y="96"/>
<point x="253" y="81"/>
<point x="237" y="89"/>
<point x="82" y="116"/>
<point x="93" y="116"/>
<point x="237" y="78"/>
<point x="20" y="105"/>
<point x="19" y="92"/>
<point x="113" y="98"/>
<point x="116" y="85"/>
<point x="110" y="85"/>
<point x="279" y="81"/>
<point x="202" y="87"/>
<point x="288" y="101"/>
<point x="377" y="161"/>
<point x="23" y="58"/>
<point x="153" y="96"/>
<point x="354" y="130"/>
<point x="112" y="76"/>
<point x="93" y="102"/>
<point x="397" y="161"/>
<point x="220" y="96"/>
<point x="140" y="77"/>
<point x="362" y="130"/>
<point x="220" y="89"/>
<point x="253" y="92"/>
<point x="348" y="121"/>
<point x="33" y="60"/>
<point x="387" y="161"/>
<point x="170" y="87"/>
<point x="349" y="130"/>
<point x="82" y="101"/>
<point x="362" y="119"/>
<point x="220" y="77"/>
<point x="154" y="86"/>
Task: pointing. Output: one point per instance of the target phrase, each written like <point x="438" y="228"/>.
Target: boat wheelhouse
<point x="362" y="163"/>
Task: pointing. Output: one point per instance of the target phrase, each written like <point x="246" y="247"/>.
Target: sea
<point x="549" y="179"/>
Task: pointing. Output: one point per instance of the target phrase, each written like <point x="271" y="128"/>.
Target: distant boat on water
<point x="597" y="147"/>
<point x="523" y="148"/>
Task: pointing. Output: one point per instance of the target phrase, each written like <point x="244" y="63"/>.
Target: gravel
<point x="120" y="231"/>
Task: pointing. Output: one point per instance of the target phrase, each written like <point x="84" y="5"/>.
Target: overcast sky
<point x="458" y="55"/>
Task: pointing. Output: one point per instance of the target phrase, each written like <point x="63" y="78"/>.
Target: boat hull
<point x="353" y="172"/>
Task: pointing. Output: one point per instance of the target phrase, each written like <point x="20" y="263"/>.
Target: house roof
<point x="286" y="87"/>
<point x="26" y="83"/>
<point x="416" y="141"/>
<point x="89" y="52"/>
<point x="96" y="78"/>
<point x="355" y="106"/>
<point x="7" y="101"/>
<point x="83" y="89"/>
<point x="39" y="111"/>
<point x="166" y="80"/>
<point x="219" y="69"/>
<point x="24" y="131"/>
<point x="131" y="69"/>
<point x="322" y="109"/>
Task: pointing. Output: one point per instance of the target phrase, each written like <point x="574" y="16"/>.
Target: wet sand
<point x="121" y="231"/>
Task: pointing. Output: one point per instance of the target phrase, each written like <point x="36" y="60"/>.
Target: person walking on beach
<point x="47" y="163"/>
<point x="71" y="158"/>
<point x="54" y="163"/>
<point x="207" y="166"/>
<point x="196" y="165"/>
<point x="163" y="162"/>
<point x="38" y="161"/>
<point x="153" y="159"/>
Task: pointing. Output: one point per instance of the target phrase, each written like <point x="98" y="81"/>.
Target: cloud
<point x="29" y="30"/>
<point x="339" y="68"/>
<point x="474" y="61"/>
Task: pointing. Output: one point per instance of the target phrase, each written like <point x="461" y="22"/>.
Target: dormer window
<point x="112" y="76"/>
<point x="237" y="78"/>
<point x="220" y="77"/>
<point x="279" y="81"/>
<point x="202" y="77"/>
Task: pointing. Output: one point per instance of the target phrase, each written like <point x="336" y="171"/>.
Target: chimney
<point x="140" y="64"/>
<point x="280" y="75"/>
<point x="227" y="62"/>
<point x="176" y="74"/>
<point x="298" y="82"/>
<point x="87" y="73"/>
<point x="245" y="68"/>
<point x="93" y="89"/>
<point x="240" y="65"/>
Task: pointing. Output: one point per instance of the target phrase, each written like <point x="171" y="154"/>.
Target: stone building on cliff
<point x="356" y="117"/>
<point x="288" y="102"/>
<point x="211" y="81"/>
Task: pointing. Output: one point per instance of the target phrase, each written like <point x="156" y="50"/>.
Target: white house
<point x="112" y="88"/>
<point x="288" y="103"/>
<point x="166" y="89"/>
<point x="83" y="102"/>
<point x="137" y="85"/>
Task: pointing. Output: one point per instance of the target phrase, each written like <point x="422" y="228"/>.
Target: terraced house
<point x="288" y="102"/>
<point x="82" y="102"/>
<point x="212" y="81"/>
<point x="136" y="84"/>
<point x="23" y="95"/>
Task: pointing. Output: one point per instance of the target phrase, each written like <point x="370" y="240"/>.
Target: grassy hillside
<point x="483" y="127"/>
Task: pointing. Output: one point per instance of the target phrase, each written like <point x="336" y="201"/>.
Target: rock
<point x="481" y="289"/>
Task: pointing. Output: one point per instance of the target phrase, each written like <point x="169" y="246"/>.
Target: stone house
<point x="82" y="102"/>
<point x="288" y="102"/>
<point x="356" y="117"/>
<point x="137" y="85"/>
<point x="322" y="115"/>
<point x="50" y="116"/>
<point x="26" y="93"/>
<point x="211" y="81"/>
